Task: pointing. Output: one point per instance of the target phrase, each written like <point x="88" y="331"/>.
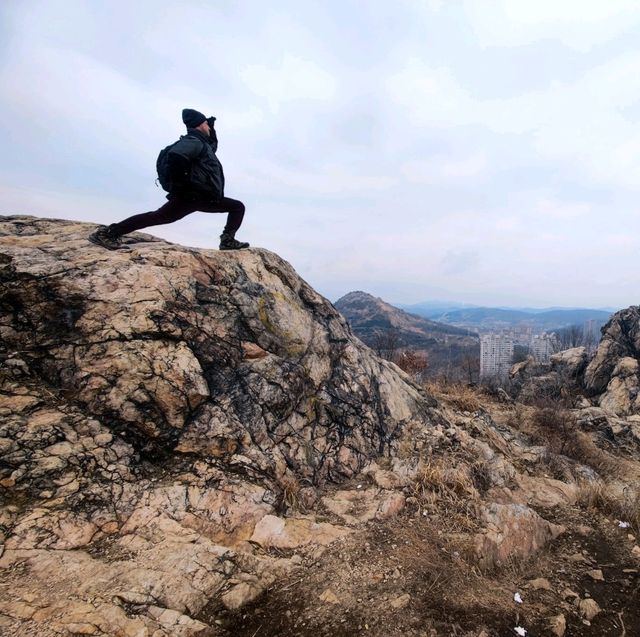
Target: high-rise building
<point x="496" y="353"/>
<point x="542" y="347"/>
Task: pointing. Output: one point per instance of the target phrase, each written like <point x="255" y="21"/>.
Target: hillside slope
<point x="193" y="442"/>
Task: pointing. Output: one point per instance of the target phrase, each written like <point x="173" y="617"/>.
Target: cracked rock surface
<point x="200" y="352"/>
<point x="157" y="404"/>
<point x="182" y="430"/>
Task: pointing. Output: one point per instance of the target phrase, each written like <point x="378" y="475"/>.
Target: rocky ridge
<point x="184" y="430"/>
<point x="609" y="379"/>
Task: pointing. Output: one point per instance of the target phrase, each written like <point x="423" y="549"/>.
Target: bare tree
<point x="471" y="367"/>
<point x="571" y="336"/>
<point x="414" y="363"/>
<point x="386" y="343"/>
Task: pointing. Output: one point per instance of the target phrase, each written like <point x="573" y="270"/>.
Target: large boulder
<point x="620" y="339"/>
<point x="158" y="406"/>
<point x="570" y="362"/>
<point x="612" y="374"/>
<point x="218" y="354"/>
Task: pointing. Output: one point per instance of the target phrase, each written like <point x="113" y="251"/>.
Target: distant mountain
<point x="486" y="318"/>
<point x="384" y="327"/>
<point x="367" y="314"/>
<point x="433" y="308"/>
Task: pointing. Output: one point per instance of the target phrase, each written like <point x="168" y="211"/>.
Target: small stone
<point x="558" y="625"/>
<point x="541" y="583"/>
<point x="329" y="597"/>
<point x="400" y="602"/>
<point x="596" y="575"/>
<point x="584" y="530"/>
<point x="578" y="557"/>
<point x="589" y="608"/>
<point x="567" y="593"/>
<point x="635" y="551"/>
<point x="241" y="594"/>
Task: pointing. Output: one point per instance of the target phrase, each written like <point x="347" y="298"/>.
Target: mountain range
<point x="493" y="318"/>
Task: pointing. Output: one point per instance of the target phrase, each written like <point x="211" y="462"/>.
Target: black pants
<point x="175" y="209"/>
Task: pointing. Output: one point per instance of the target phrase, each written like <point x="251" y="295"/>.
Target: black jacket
<point x="195" y="170"/>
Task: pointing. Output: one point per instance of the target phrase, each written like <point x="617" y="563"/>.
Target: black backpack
<point x="162" y="166"/>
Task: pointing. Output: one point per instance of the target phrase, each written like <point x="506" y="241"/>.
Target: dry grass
<point x="448" y="481"/>
<point x="445" y="488"/>
<point x="457" y="395"/>
<point x="444" y="561"/>
<point x="290" y="494"/>
<point x="623" y="506"/>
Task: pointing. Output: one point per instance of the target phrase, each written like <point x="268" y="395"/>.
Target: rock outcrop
<point x="610" y="379"/>
<point x="181" y="428"/>
<point x="216" y="354"/>
<point x="159" y="405"/>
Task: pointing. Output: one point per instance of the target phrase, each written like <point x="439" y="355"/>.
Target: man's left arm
<point x="213" y="137"/>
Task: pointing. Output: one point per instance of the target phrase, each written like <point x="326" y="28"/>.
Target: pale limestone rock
<point x="567" y="593"/>
<point x="167" y="340"/>
<point x="512" y="531"/>
<point x="361" y="505"/>
<point x="402" y="601"/>
<point x="329" y="597"/>
<point x="540" y="583"/>
<point x="558" y="625"/>
<point x="596" y="575"/>
<point x="572" y="361"/>
<point x="589" y="608"/>
<point x="289" y="533"/>
<point x="584" y="530"/>
<point x="621" y="394"/>
<point x="241" y="594"/>
<point x="546" y="492"/>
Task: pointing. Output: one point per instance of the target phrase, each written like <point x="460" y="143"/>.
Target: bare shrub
<point x="556" y="428"/>
<point x="413" y="363"/>
<point x="290" y="495"/>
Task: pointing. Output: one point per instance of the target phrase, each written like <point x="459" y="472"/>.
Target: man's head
<point x="195" y="119"/>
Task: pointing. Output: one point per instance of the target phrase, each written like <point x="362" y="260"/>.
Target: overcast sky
<point x="485" y="151"/>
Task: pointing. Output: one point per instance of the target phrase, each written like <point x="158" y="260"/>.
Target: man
<point x="196" y="183"/>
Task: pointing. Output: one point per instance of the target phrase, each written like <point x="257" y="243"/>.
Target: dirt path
<point x="407" y="577"/>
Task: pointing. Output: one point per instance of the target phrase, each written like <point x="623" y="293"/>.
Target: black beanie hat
<point x="191" y="118"/>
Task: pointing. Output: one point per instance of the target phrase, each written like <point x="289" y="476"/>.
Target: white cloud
<point x="294" y="79"/>
<point x="581" y="123"/>
<point x="579" y="24"/>
<point x="439" y="170"/>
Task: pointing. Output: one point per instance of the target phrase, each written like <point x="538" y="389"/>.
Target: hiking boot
<point x="228" y="242"/>
<point x="106" y="238"/>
